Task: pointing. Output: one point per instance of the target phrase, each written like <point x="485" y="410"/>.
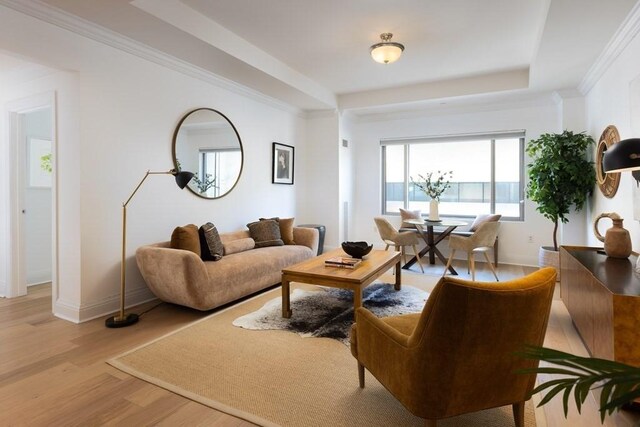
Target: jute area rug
<point x="273" y="377"/>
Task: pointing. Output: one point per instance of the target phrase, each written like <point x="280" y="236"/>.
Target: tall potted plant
<point x="560" y="177"/>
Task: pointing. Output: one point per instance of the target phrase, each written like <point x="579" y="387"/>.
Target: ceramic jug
<point x="617" y="242"/>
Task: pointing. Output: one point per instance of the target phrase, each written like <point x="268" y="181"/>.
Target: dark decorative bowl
<point x="356" y="249"/>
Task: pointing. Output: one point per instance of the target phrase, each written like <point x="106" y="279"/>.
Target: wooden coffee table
<point x="313" y="271"/>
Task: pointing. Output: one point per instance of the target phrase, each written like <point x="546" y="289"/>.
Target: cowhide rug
<point x="328" y="312"/>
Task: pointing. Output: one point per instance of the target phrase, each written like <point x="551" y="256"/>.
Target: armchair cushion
<point x="405" y="215"/>
<point x="481" y="219"/>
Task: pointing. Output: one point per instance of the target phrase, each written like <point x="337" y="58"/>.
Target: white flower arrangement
<point x="434" y="188"/>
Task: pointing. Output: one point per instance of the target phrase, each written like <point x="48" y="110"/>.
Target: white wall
<point x="37" y="205"/>
<point x="125" y="114"/>
<point x="346" y="179"/>
<point x="537" y="118"/>
<point x="321" y="170"/>
<point x="609" y="102"/>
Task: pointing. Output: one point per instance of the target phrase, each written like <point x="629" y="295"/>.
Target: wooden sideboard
<point x="602" y="295"/>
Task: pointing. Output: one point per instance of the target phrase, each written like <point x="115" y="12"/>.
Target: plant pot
<point x="547" y="257"/>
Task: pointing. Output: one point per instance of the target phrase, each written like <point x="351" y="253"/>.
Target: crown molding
<point x="60" y="18"/>
<point x="471" y="107"/>
<point x="620" y="40"/>
<point x="319" y="114"/>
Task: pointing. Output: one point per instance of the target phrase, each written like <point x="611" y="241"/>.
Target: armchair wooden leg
<point x="417" y="254"/>
<point x="430" y="423"/>
<point x="472" y="265"/>
<point x="518" y="414"/>
<point x="446" y="267"/>
<point x="361" y="374"/>
<point x="486" y="255"/>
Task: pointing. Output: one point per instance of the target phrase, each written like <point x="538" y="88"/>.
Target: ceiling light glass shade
<point x="387" y="51"/>
<point x="622" y="156"/>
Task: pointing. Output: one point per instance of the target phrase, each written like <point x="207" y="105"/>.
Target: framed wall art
<point x="282" y="164"/>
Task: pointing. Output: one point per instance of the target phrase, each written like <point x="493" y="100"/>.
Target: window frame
<point x="491" y="137"/>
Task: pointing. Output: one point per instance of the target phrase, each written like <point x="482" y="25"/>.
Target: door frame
<point x="16" y="265"/>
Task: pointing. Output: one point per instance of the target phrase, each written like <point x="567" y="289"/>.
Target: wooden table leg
<point x="432" y="246"/>
<point x="286" y="302"/>
<point x="398" y="274"/>
<point x="357" y="298"/>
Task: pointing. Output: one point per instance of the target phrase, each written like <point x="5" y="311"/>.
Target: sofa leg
<point x="518" y="414"/>
<point x="361" y="374"/>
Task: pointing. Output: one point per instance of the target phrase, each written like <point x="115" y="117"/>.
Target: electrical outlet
<point x="530" y="239"/>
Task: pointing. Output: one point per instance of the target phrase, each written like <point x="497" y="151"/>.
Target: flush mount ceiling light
<point x="386" y="51"/>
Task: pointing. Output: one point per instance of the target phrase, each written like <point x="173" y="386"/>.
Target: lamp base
<point x="117" y="322"/>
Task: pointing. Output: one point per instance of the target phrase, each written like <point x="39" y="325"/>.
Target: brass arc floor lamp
<point x="121" y="320"/>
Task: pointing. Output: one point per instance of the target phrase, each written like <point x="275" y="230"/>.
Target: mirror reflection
<point x="206" y="143"/>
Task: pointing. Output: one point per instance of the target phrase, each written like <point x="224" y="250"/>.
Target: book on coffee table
<point x="342" y="262"/>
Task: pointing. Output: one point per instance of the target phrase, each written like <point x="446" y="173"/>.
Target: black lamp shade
<point x="622" y="156"/>
<point x="183" y="178"/>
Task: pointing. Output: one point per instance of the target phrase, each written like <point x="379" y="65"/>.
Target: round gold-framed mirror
<point x="607" y="182"/>
<point x="206" y="143"/>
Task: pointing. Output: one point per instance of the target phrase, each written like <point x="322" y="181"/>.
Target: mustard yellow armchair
<point x="457" y="356"/>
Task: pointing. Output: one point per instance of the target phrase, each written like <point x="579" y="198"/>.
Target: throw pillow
<point x="210" y="243"/>
<point x="481" y="219"/>
<point x="238" y="245"/>
<point x="286" y="229"/>
<point x="405" y="215"/>
<point x="266" y="233"/>
<point x="186" y="238"/>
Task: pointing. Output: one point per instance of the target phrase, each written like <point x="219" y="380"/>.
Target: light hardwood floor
<point x="53" y="372"/>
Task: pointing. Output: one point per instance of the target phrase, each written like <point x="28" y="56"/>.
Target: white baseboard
<point x="66" y="310"/>
<point x="86" y="312"/>
<point x="38" y="277"/>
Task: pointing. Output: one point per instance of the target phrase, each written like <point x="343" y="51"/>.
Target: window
<point x="488" y="174"/>
<point x="218" y="180"/>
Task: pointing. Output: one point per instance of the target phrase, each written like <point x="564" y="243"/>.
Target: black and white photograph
<point x="283" y="158"/>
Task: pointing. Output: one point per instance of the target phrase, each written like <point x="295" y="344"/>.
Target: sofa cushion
<point x="186" y="238"/>
<point x="481" y="219"/>
<point x="210" y="243"/>
<point x="286" y="229"/>
<point x="238" y="245"/>
<point x="265" y="232"/>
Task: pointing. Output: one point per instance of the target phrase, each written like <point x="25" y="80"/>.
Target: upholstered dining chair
<point x="481" y="241"/>
<point x="459" y="355"/>
<point x="397" y="239"/>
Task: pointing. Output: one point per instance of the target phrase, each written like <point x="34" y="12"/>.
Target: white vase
<point x="433" y="210"/>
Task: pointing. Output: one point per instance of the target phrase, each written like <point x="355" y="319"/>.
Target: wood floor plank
<point x="53" y="372"/>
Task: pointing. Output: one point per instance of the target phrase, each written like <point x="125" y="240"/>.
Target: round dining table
<point x="425" y="229"/>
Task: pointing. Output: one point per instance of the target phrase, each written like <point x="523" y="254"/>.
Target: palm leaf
<point x="619" y="383"/>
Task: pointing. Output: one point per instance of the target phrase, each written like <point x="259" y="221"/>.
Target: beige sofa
<point x="182" y="277"/>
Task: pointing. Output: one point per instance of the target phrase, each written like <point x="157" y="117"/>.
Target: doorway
<point x="31" y="208"/>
